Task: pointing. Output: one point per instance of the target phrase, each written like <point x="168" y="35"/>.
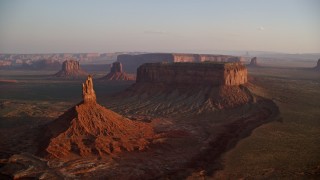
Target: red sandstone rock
<point x="89" y="129"/>
<point x="71" y="69"/>
<point x="208" y="74"/>
<point x="117" y="73"/>
<point x="181" y="88"/>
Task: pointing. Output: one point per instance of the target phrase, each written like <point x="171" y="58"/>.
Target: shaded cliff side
<point x="207" y="74"/>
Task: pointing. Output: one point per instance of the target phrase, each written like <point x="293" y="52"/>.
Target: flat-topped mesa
<point x="132" y="62"/>
<point x="206" y="74"/>
<point x="88" y="94"/>
<point x="71" y="68"/>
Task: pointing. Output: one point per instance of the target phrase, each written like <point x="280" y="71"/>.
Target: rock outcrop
<point x="89" y="129"/>
<point x="132" y="62"/>
<point x="317" y="68"/>
<point x="253" y="62"/>
<point x="118" y="74"/>
<point x="207" y="74"/>
<point x="71" y="69"/>
<point x="183" y="88"/>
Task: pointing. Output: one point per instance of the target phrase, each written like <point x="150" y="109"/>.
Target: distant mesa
<point x="132" y="62"/>
<point x="253" y="62"/>
<point x="71" y="69"/>
<point x="175" y="88"/>
<point x="89" y="129"/>
<point x="317" y="68"/>
<point x="44" y="64"/>
<point x="117" y="73"/>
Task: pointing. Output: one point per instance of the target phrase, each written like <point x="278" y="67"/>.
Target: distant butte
<point x="71" y="69"/>
<point x="253" y="62"/>
<point x="317" y="68"/>
<point x="89" y="129"/>
<point x="117" y="73"/>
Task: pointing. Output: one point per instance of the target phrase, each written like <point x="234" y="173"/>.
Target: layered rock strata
<point x="71" y="69"/>
<point x="184" y="88"/>
<point x="89" y="129"/>
<point x="208" y="74"/>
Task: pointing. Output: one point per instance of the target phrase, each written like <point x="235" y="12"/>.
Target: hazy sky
<point x="45" y="26"/>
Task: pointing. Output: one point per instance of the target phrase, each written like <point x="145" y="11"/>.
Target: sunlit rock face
<point x="213" y="74"/>
<point x="88" y="94"/>
<point x="89" y="129"/>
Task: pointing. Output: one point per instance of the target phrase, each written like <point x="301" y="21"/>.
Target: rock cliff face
<point x="317" y="66"/>
<point x="89" y="129"/>
<point x="71" y="69"/>
<point x="88" y="94"/>
<point x="207" y="74"/>
<point x="253" y="62"/>
<point x="116" y="67"/>
<point x="182" y="88"/>
<point x="117" y="73"/>
<point x="132" y="62"/>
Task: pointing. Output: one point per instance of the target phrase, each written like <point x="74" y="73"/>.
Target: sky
<point x="190" y="26"/>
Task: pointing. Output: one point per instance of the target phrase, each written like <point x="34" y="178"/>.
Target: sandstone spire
<point x="88" y="94"/>
<point x="89" y="129"/>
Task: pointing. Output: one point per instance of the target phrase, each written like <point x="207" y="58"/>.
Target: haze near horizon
<point x="290" y="26"/>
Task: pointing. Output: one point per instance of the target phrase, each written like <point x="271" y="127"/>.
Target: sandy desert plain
<point x="276" y="136"/>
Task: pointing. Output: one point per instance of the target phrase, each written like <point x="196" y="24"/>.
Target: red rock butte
<point x="207" y="73"/>
<point x="117" y="73"/>
<point x="89" y="129"/>
<point x="71" y="69"/>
